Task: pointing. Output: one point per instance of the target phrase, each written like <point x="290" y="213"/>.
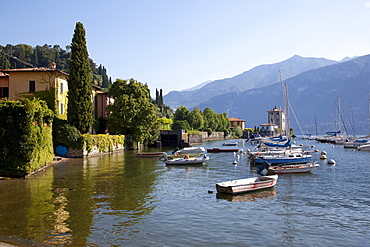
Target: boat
<point x="255" y="138"/>
<point x="287" y="158"/>
<point x="356" y="143"/>
<point x="189" y="150"/>
<point x="187" y="160"/>
<point x="219" y="150"/>
<point x="150" y="154"/>
<point x="267" y="169"/>
<point x="230" y="144"/>
<point x="247" y="184"/>
<point x="364" y="147"/>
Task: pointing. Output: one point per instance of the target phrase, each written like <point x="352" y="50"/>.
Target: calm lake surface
<point x="121" y="200"/>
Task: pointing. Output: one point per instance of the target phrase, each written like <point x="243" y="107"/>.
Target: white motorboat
<point x="247" y="184"/>
<point x="187" y="160"/>
<point x="287" y="169"/>
<point x="189" y="150"/>
<point x="364" y="147"/>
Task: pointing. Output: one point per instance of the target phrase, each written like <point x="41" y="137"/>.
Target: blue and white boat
<point x="287" y="158"/>
<point x="357" y="143"/>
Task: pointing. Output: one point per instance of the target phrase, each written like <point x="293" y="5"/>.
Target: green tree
<point x="210" y="123"/>
<point x="133" y="112"/>
<point x="196" y="119"/>
<point x="80" y="106"/>
<point x="224" y="122"/>
<point x="180" y="119"/>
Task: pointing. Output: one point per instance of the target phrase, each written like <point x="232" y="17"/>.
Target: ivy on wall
<point x="105" y="143"/>
<point x="25" y="136"/>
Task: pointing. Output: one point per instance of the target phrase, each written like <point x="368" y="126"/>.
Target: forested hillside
<point x="26" y="56"/>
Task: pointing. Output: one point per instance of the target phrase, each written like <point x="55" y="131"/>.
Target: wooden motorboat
<point x="247" y="184"/>
<point x="150" y="154"/>
<point x="218" y="150"/>
<point x="187" y="160"/>
<point x="289" y="169"/>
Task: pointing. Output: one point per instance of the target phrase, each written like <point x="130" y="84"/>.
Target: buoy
<point x="61" y="150"/>
<point x="331" y="162"/>
<point x="323" y="156"/>
<point x="323" y="152"/>
<point x="316" y="150"/>
<point x="210" y="192"/>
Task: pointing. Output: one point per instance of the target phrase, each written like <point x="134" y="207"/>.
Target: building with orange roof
<point x="235" y="122"/>
<point x="50" y="83"/>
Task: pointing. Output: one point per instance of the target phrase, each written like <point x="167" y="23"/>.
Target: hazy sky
<point x="177" y="44"/>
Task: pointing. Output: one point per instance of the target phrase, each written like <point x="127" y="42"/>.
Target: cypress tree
<point x="80" y="106"/>
<point x="156" y="97"/>
<point x="160" y="98"/>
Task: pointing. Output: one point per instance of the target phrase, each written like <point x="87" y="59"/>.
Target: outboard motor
<point x="176" y="149"/>
<point x="264" y="168"/>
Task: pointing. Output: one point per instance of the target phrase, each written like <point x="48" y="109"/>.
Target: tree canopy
<point x="133" y="112"/>
<point x="207" y="120"/>
<point x="25" y="56"/>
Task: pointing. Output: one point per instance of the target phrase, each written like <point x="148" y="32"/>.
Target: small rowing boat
<point x="247" y="184"/>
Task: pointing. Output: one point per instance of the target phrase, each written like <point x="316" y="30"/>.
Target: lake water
<point x="121" y="200"/>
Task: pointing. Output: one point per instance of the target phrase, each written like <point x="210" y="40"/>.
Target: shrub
<point x="25" y="137"/>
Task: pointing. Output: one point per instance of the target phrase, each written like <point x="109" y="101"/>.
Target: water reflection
<point x="269" y="194"/>
<point x="63" y="204"/>
<point x="120" y="200"/>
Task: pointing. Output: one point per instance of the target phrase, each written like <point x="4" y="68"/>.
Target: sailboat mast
<point x="284" y="89"/>
<point x="369" y="108"/>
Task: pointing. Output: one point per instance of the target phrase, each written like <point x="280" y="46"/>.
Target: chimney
<point x="53" y="65"/>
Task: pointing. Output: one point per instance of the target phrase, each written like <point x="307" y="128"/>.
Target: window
<point x="61" y="87"/>
<point x="61" y="108"/>
<point x="4" y="92"/>
<point x="32" y="86"/>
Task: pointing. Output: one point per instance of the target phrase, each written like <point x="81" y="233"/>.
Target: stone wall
<point x="75" y="153"/>
<point x="203" y="136"/>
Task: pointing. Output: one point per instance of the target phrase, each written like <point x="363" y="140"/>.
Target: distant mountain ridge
<point x="312" y="94"/>
<point x="257" y="77"/>
<point x="197" y="86"/>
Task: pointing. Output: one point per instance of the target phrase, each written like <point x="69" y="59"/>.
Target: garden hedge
<point x="25" y="137"/>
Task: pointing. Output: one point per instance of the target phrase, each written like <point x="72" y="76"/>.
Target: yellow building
<point x="49" y="84"/>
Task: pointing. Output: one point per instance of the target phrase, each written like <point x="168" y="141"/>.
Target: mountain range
<point x="324" y="95"/>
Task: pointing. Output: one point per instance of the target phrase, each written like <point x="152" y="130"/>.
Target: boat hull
<point x="219" y="150"/>
<point x="364" y="147"/>
<point x="246" y="185"/>
<point x="191" y="150"/>
<point x="283" y="160"/>
<point x="155" y="154"/>
<point x="292" y="169"/>
<point x="189" y="161"/>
